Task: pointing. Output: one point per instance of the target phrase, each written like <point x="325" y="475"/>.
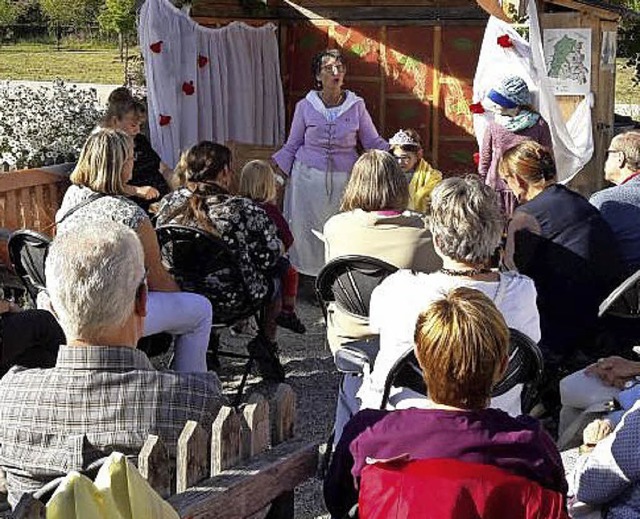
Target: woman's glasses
<point x="337" y="68"/>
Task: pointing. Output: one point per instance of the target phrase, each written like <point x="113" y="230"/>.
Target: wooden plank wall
<point x="29" y="199"/>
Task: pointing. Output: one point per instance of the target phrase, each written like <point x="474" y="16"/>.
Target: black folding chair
<point x="525" y="367"/>
<point x="191" y="256"/>
<point x="349" y="281"/>
<point x="619" y="317"/>
<point x="28" y="252"/>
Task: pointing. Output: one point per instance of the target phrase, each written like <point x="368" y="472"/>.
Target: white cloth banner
<point x="573" y="140"/>
<point x="213" y="84"/>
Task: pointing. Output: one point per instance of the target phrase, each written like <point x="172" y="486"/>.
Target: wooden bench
<point x="29" y="199"/>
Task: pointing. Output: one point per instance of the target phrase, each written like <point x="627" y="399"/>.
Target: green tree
<point x="8" y="12"/>
<point x="64" y="13"/>
<point x="119" y="17"/>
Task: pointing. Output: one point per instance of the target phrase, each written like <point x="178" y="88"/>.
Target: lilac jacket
<point x="324" y="145"/>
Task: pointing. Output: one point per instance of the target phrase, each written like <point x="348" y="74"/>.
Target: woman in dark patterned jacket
<point x="208" y="203"/>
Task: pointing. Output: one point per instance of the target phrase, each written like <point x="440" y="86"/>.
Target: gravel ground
<point x="310" y="371"/>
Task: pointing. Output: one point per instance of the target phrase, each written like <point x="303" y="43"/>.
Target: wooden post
<point x="192" y="456"/>
<point x="153" y="464"/>
<point x="256" y="437"/>
<point x="283" y="414"/>
<point x="225" y="440"/>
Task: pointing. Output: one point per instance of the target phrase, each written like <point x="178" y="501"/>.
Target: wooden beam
<point x="247" y="489"/>
<point x="584" y="8"/>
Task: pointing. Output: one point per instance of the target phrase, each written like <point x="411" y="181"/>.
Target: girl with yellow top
<point x="406" y="147"/>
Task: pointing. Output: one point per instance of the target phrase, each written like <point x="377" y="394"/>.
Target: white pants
<point x="188" y="317"/>
<point x="579" y="392"/>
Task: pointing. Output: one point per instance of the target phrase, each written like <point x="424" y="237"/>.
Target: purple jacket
<point x="497" y="140"/>
<point x="490" y="436"/>
<point x="324" y="145"/>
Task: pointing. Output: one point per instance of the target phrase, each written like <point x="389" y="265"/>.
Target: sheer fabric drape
<point x="214" y="84"/>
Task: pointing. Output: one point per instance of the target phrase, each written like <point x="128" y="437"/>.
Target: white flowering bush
<point x="43" y="126"/>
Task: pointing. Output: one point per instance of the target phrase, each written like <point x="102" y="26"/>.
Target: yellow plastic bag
<point x="119" y="492"/>
<point x="120" y="483"/>
<point x="76" y="497"/>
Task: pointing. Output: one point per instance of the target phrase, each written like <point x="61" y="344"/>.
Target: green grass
<point x="98" y="62"/>
<point x="626" y="92"/>
<point x="76" y="61"/>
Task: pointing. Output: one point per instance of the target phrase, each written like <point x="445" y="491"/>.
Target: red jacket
<point x="447" y="488"/>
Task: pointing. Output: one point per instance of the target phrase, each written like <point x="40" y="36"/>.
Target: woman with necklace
<point x="466" y="226"/>
<point x="562" y="242"/>
<point x="319" y="154"/>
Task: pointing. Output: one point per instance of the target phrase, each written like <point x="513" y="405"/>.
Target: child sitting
<point x="406" y="147"/>
<point x="258" y="182"/>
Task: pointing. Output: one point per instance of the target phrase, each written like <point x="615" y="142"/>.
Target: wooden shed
<point x="414" y="61"/>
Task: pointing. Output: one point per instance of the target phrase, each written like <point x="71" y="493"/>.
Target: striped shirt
<point x="96" y="400"/>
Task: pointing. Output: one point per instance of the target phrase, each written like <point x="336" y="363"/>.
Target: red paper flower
<point x="188" y="88"/>
<point x="164" y="119"/>
<point x="156" y="47"/>
<point x="476" y="158"/>
<point x="505" y="41"/>
<point x="476" y="108"/>
<point x="202" y="61"/>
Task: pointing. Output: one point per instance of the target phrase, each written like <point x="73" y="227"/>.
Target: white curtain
<point x="573" y="140"/>
<point x="232" y="74"/>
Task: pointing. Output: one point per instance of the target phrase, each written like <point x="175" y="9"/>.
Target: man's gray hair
<point x="92" y="275"/>
<point x="629" y="144"/>
<point x="466" y="220"/>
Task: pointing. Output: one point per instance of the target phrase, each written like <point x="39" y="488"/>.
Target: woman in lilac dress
<point x="319" y="154"/>
<point x="515" y="122"/>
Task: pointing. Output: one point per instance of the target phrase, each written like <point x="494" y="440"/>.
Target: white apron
<point x="311" y="198"/>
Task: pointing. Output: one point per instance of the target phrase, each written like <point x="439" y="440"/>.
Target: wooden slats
<point x="29" y="199"/>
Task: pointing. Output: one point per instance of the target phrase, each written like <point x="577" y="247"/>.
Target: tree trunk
<point x="58" y="35"/>
<point x="126" y="62"/>
<point x="121" y="46"/>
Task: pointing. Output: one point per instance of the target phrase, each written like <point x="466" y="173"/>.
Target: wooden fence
<point x="246" y="466"/>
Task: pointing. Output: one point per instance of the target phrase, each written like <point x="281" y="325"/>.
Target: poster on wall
<point x="608" y="51"/>
<point x="567" y="53"/>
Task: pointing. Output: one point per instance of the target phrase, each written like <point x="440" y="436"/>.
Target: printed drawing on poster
<point x="567" y="54"/>
<point x="608" y="51"/>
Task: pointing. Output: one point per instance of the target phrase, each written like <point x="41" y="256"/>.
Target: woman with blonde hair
<point x="258" y="183"/>
<point x="461" y="343"/>
<point x="98" y="193"/>
<point x="561" y="241"/>
<point x="374" y="221"/>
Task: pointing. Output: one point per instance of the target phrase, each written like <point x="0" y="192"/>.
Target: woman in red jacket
<point x="466" y="337"/>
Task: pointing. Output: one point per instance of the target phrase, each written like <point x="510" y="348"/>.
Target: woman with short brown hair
<point x="461" y="342"/>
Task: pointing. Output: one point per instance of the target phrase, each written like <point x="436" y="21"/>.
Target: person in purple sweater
<point x="319" y="154"/>
<point x="515" y="122"/>
<point x="461" y="343"/>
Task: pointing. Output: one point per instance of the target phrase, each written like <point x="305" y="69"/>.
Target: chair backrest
<point x="28" y="252"/>
<point x="624" y="301"/>
<point x="525" y="367"/>
<point x="349" y="281"/>
<point x="449" y="488"/>
<point x="191" y="255"/>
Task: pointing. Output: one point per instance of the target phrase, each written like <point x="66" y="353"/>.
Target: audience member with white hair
<point x="466" y="225"/>
<point x="103" y="395"/>
<point x="98" y="195"/>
